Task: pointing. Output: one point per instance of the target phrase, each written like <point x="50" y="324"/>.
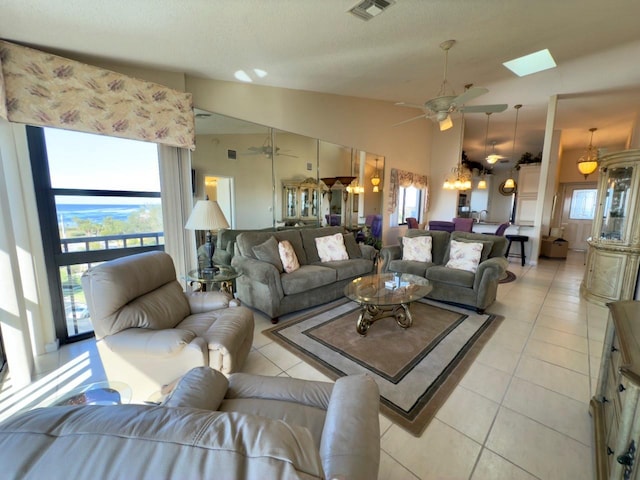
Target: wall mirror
<point x="263" y="177"/>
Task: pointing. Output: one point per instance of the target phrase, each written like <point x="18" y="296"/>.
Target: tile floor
<point x="521" y="412"/>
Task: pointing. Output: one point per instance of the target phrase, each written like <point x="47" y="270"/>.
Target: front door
<point x="579" y="202"/>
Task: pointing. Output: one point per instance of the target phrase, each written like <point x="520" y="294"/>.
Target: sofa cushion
<point x="331" y="248"/>
<point x="487" y="245"/>
<point x="268" y="252"/>
<point x="306" y="278"/>
<point x="417" y="248"/>
<point x="351" y="268"/>
<point x="451" y="276"/>
<point x="498" y="248"/>
<point x="353" y="250"/>
<point x="288" y="256"/>
<point x="409" y="266"/>
<point x="308" y="240"/>
<point x="464" y="256"/>
<point x="439" y="243"/>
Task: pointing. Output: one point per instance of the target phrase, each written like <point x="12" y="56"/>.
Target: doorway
<point x="579" y="201"/>
<point x="220" y="189"/>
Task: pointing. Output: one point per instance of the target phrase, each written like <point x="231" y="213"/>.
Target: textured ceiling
<point x="316" y="45"/>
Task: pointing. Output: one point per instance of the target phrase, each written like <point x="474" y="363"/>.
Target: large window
<point x="98" y="199"/>
<point x="583" y="204"/>
<point x="409" y="201"/>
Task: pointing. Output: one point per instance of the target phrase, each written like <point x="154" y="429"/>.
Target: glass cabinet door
<point x="305" y="202"/>
<point x="615" y="211"/>
<point x="290" y="203"/>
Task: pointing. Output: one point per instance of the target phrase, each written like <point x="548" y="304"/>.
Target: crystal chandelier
<point x="588" y="163"/>
<point x="460" y="177"/>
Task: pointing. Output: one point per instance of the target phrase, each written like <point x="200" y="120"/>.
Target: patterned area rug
<point x="416" y="368"/>
<point x="508" y="277"/>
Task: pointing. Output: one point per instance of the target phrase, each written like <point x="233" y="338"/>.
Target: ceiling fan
<point x="444" y="104"/>
<point x="267" y="150"/>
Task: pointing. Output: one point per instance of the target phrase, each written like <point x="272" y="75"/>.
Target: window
<point x="98" y="199"/>
<point x="409" y="201"/>
<point x="583" y="204"/>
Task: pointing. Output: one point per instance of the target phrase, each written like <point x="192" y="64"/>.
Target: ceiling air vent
<point x="367" y="9"/>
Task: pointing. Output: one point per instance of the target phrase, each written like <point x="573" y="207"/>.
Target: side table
<point x="223" y="278"/>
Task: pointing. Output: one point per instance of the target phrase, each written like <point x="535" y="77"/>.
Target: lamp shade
<point x="206" y="215"/>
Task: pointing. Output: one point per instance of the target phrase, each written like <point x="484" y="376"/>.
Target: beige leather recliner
<point x="150" y="332"/>
<point x="246" y="427"/>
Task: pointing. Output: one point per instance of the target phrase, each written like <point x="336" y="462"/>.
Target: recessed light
<point x="532" y="63"/>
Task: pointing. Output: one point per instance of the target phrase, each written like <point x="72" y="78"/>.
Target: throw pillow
<point x="464" y="256"/>
<point x="268" y="252"/>
<point x="288" y="256"/>
<point x="331" y="248"/>
<point x="353" y="250"/>
<point x="417" y="248"/>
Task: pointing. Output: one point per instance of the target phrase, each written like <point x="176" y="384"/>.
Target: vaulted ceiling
<point x="318" y="46"/>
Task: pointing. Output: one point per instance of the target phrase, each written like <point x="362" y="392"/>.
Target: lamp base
<point x="210" y="271"/>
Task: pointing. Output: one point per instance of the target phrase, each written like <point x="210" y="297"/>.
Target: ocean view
<point x="67" y="213"/>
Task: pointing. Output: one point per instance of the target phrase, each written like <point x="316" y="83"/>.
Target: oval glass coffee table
<point x="386" y="295"/>
<point x="98" y="393"/>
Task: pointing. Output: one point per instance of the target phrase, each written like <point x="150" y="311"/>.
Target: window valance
<point x="402" y="178"/>
<point x="39" y="88"/>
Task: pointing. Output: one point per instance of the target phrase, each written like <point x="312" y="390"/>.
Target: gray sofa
<point x="264" y="287"/>
<point x="477" y="290"/>
<point x="248" y="426"/>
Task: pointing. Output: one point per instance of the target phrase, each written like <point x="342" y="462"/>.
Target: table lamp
<point x="207" y="215"/>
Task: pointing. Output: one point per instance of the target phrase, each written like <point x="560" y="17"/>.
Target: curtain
<point x="175" y="184"/>
<point x="402" y="178"/>
<point x="39" y="88"/>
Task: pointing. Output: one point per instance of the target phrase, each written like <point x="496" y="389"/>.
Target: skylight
<point x="246" y="77"/>
<point x="532" y="63"/>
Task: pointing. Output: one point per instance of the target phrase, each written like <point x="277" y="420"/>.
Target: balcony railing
<point x="107" y="242"/>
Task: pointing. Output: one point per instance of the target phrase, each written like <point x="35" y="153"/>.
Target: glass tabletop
<point x="387" y="289"/>
<point x="224" y="274"/>
<point x="98" y="393"/>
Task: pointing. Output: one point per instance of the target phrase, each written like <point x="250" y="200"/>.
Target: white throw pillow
<point x="331" y="248"/>
<point x="464" y="255"/>
<point x="417" y="248"/>
<point x="288" y="256"/>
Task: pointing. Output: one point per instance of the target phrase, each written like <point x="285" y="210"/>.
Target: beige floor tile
<point x="537" y="449"/>
<point x="563" y="357"/>
<point x="555" y="378"/>
<point x="279" y="356"/>
<point x="572" y="326"/>
<point x="385" y="424"/>
<point x="492" y="466"/>
<point x="556" y="411"/>
<point x="469" y="413"/>
<point x="390" y="469"/>
<point x="258" y="364"/>
<point x="441" y="451"/>
<point x="562" y="339"/>
<point x="498" y="356"/>
<point x="508" y="340"/>
<point x="307" y="372"/>
<point x="489" y="382"/>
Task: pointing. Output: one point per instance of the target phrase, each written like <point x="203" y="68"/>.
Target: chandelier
<point x="375" y="180"/>
<point x="588" y="163"/>
<point x="459" y="179"/>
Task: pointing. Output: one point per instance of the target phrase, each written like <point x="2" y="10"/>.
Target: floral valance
<point x="39" y="88"/>
<point x="402" y="178"/>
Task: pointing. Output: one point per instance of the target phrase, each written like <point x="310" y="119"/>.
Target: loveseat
<point x="248" y="426"/>
<point x="474" y="289"/>
<point x="265" y="285"/>
<point x="150" y="332"/>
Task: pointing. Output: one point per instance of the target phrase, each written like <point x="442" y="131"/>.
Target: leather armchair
<point x="246" y="427"/>
<point x="150" y="332"/>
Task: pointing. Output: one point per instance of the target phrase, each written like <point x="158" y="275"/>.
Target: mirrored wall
<point x="264" y="178"/>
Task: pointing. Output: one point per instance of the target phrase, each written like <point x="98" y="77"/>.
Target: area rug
<point x="508" y="277"/>
<point x="416" y="368"/>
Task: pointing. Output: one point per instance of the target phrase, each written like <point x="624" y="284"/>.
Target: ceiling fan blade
<point x="412" y="105"/>
<point x="469" y="95"/>
<point x="499" y="107"/>
<point x="409" y="120"/>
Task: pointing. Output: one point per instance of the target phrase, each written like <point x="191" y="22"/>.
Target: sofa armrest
<point x="200" y="302"/>
<point x="368" y="251"/>
<point x="350" y="445"/>
<point x="259" y="271"/>
<point x="492" y="269"/>
<point x="200" y="387"/>
<point x="388" y="253"/>
<point x="305" y="392"/>
<point x="157" y="343"/>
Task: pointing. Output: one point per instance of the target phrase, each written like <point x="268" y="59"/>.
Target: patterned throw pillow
<point x="417" y="248"/>
<point x="464" y="256"/>
<point x="288" y="256"/>
<point x="331" y="248"/>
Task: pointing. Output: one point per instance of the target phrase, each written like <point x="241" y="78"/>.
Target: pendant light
<point x="588" y="163"/>
<point x="375" y="180"/>
<point x="460" y="177"/>
<point x="482" y="184"/>
<point x="510" y="182"/>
